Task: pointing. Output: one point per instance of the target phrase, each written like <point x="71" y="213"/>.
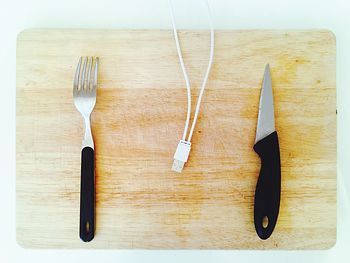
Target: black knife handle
<point x="268" y="187"/>
<point x="87" y="195"/>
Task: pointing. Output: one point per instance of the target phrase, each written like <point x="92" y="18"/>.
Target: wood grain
<point x="138" y="120"/>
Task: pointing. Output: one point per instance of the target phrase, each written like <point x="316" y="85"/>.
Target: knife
<point x="268" y="187"/>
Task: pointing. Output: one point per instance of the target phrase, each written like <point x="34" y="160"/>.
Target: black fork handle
<point x="87" y="195"/>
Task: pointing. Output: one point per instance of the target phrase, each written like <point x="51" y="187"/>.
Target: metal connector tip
<point x="177" y="166"/>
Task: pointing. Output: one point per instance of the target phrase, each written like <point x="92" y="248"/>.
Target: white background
<point x="268" y="14"/>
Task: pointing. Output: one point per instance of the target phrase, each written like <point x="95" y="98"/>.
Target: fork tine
<point x="77" y="76"/>
<point x="94" y="78"/>
<point x="88" y="78"/>
<point x="82" y="80"/>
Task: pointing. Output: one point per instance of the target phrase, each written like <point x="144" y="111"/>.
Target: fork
<point x="84" y="96"/>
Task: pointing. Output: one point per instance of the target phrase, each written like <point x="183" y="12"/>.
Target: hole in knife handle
<point x="265" y="222"/>
<point x="87" y="227"/>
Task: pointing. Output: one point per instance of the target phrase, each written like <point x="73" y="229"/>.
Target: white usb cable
<point x="184" y="146"/>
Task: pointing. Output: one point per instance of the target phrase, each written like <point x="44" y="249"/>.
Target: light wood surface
<point x="138" y="121"/>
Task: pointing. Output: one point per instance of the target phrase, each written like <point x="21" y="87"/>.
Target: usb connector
<point x="184" y="147"/>
<point x="181" y="155"/>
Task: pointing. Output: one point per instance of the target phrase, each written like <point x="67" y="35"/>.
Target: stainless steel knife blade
<point x="266" y="117"/>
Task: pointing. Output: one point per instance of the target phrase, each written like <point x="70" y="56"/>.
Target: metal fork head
<point x="85" y="84"/>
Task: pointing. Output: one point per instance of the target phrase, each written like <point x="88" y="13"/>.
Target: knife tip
<point x="267" y="71"/>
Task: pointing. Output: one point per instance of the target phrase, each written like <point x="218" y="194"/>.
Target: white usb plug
<point x="181" y="155"/>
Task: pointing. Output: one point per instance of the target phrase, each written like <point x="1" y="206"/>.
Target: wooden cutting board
<point x="138" y="121"/>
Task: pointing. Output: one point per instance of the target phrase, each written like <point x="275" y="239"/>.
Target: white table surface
<point x="17" y="15"/>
